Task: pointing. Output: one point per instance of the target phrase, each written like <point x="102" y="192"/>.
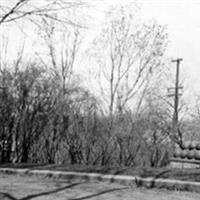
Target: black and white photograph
<point x="99" y="99"/>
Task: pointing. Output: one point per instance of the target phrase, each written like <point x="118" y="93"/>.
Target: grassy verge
<point x="179" y="174"/>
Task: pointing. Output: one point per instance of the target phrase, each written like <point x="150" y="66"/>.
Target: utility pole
<point x="176" y="95"/>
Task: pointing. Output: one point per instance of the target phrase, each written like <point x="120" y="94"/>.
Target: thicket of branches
<point x="46" y="116"/>
<point x="40" y="128"/>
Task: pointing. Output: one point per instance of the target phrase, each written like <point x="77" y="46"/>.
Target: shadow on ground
<point x="8" y="196"/>
<point x="139" y="182"/>
<point x="98" y="194"/>
<point x="32" y="196"/>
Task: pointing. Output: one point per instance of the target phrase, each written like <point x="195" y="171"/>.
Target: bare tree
<point x="62" y="44"/>
<point x="15" y="10"/>
<point x="127" y="53"/>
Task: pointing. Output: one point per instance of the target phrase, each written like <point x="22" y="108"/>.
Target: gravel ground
<point x="17" y="187"/>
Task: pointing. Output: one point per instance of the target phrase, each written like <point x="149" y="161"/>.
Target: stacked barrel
<point x="188" y="151"/>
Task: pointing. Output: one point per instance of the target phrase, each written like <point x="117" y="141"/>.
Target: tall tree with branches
<point x="127" y="52"/>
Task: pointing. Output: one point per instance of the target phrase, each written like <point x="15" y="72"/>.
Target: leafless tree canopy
<point x="48" y="115"/>
<point x="36" y="10"/>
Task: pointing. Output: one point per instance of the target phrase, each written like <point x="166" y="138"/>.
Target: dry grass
<point x="15" y="187"/>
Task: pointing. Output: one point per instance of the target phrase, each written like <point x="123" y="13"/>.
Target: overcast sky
<point x="182" y="18"/>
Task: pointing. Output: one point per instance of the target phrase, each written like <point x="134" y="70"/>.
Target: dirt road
<point x="16" y="187"/>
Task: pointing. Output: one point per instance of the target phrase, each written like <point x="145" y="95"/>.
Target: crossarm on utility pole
<point x="176" y="101"/>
